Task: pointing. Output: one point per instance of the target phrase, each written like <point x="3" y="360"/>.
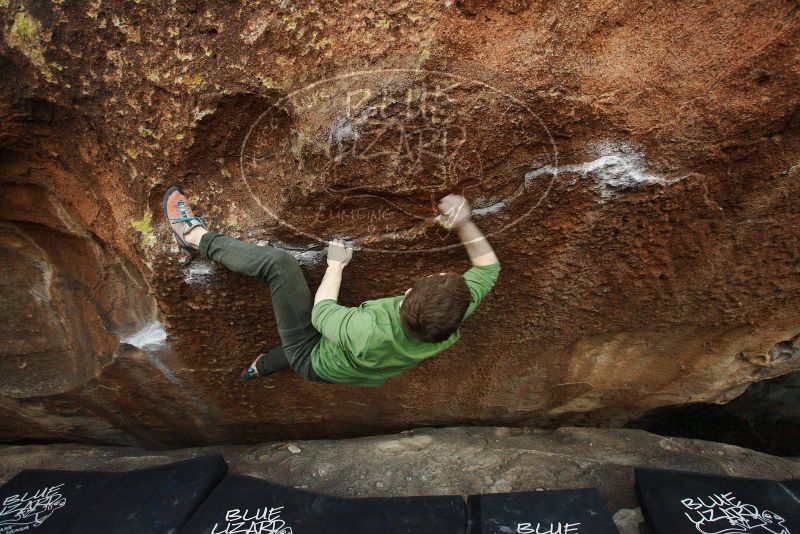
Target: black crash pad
<point x="245" y="505"/>
<point x="155" y="500"/>
<point x="794" y="487"/>
<point x="677" y="502"/>
<point x="580" y="511"/>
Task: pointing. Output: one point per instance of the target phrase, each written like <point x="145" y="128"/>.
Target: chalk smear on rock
<point x="483" y="207"/>
<point x="151" y="339"/>
<point x="620" y="166"/>
<point x="306" y="256"/>
<point x="198" y="272"/>
<point x="151" y="335"/>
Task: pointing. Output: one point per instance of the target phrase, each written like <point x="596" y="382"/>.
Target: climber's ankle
<point x="255" y="363"/>
<point x="194" y="235"/>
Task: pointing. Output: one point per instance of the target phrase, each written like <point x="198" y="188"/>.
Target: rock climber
<point x="324" y="341"/>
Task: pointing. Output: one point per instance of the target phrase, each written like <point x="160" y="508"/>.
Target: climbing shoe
<point x="249" y="373"/>
<point x="180" y="217"/>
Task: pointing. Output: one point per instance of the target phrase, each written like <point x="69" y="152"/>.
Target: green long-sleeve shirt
<point x="367" y="345"/>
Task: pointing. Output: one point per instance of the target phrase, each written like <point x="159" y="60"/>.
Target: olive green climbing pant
<point x="291" y="298"/>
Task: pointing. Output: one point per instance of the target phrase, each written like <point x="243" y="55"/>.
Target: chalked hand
<point x="338" y="253"/>
<point x="455" y="211"/>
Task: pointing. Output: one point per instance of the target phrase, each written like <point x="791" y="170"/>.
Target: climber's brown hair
<point x="435" y="307"/>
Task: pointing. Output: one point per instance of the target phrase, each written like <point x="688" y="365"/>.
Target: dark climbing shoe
<point x="249" y="373"/>
<point x="180" y="217"/>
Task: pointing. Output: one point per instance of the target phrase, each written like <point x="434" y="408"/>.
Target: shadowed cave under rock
<point x="766" y="417"/>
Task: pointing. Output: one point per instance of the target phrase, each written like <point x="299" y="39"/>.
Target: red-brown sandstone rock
<point x="636" y="164"/>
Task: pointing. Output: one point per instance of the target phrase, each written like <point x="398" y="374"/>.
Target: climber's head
<point x="434" y="306"/>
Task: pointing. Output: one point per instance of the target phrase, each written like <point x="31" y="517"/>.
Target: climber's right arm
<point x="478" y="248"/>
<point x="456" y="215"/>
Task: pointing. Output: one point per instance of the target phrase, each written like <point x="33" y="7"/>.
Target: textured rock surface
<point x="445" y="461"/>
<point x="637" y="165"/>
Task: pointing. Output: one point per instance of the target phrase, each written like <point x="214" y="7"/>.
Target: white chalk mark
<point x="306" y="256"/>
<point x="342" y="131"/>
<point x="152" y="338"/>
<point x="620" y="166"/>
<point x="152" y="335"/>
<point x="198" y="272"/>
<point x="309" y="257"/>
<point x="487" y="209"/>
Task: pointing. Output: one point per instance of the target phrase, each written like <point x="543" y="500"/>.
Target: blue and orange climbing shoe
<point x="180" y="217"/>
<point x="249" y="373"/>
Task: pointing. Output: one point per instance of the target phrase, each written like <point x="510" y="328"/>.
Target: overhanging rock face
<point x="637" y="170"/>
